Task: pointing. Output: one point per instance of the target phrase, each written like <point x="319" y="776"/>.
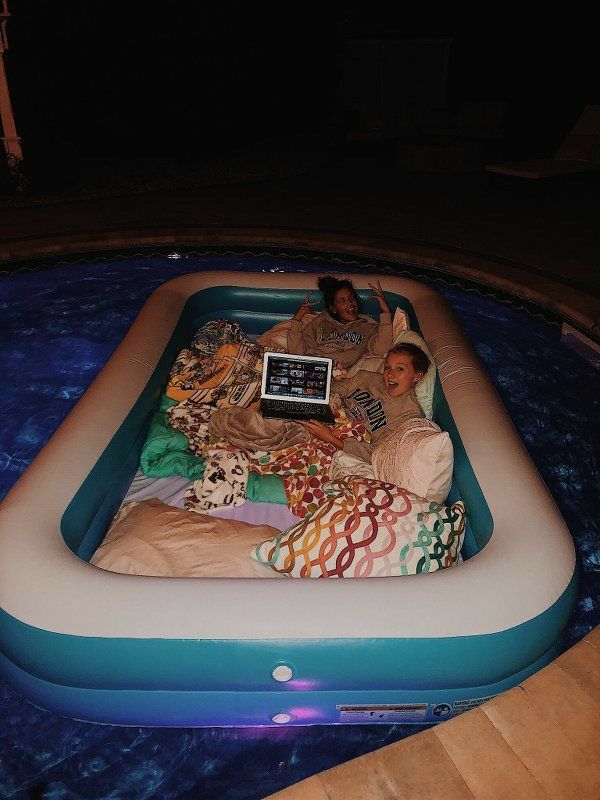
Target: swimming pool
<point x="59" y="326"/>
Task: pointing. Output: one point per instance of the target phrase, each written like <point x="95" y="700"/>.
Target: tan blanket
<point x="151" y="538"/>
<point x="246" y="429"/>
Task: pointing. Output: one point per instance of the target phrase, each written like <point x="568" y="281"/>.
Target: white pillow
<point x="399" y="323"/>
<point x="278" y="334"/>
<point x="419" y="457"/>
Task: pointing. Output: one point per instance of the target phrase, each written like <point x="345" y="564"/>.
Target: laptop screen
<point x="288" y="377"/>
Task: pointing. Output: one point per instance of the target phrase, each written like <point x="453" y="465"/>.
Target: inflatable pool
<point x="135" y="650"/>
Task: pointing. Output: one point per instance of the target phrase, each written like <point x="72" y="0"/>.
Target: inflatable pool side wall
<point x="102" y="646"/>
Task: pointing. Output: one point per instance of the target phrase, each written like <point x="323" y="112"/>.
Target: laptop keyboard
<point x="295" y="407"/>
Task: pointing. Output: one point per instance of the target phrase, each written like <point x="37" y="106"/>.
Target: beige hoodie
<point x="345" y="342"/>
<point x="365" y="398"/>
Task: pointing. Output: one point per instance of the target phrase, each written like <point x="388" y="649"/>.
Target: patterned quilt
<point x="221" y="369"/>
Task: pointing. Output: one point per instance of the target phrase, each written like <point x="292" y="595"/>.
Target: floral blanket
<point x="304" y="468"/>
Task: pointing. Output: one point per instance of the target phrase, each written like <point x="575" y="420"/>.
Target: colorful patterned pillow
<point x="367" y="529"/>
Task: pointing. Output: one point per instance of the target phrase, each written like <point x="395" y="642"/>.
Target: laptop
<point x="296" y="387"/>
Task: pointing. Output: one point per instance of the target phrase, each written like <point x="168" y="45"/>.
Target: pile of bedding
<point x="206" y="429"/>
<point x="210" y="453"/>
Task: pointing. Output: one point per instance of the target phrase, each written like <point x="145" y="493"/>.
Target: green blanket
<point x="165" y="454"/>
<point x="165" y="450"/>
<point x="265" y="489"/>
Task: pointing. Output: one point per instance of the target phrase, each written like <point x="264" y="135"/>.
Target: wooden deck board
<point x="538" y="741"/>
<point x="421" y="769"/>
<point x="568" y="704"/>
<point x="593" y="638"/>
<point x="359" y="779"/>
<point x="490" y="768"/>
<point x="581" y="664"/>
<point x="309" y="789"/>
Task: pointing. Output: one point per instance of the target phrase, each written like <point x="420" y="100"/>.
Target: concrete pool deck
<point x="547" y="254"/>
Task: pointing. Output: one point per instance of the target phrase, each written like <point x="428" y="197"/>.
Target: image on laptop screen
<point x="288" y="377"/>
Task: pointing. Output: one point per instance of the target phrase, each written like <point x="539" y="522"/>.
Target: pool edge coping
<point x="577" y="306"/>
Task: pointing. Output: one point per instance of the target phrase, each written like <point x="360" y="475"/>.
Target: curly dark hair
<point x="330" y="286"/>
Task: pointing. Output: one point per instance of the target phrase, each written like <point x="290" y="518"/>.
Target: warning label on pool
<point x="397" y="712"/>
<point x="460" y="706"/>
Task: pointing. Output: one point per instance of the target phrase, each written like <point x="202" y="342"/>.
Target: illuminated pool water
<point x="59" y="326"/>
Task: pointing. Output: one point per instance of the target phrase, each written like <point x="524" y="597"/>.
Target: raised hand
<point x="379" y="296"/>
<point x="305" y="307"/>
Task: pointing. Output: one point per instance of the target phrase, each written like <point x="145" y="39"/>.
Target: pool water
<point x="58" y="327"/>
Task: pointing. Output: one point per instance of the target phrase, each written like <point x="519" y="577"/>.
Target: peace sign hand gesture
<point x="305" y="307"/>
<point x="379" y="296"/>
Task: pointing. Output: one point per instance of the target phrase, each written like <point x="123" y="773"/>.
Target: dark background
<point x="96" y="79"/>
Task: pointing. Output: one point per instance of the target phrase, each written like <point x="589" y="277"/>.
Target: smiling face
<point x="345" y="305"/>
<point x="399" y="374"/>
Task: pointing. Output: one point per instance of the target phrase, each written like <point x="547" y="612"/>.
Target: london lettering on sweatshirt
<point x="345" y="342"/>
<point x="365" y="399"/>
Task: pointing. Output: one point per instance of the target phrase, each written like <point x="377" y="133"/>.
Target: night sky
<point x="99" y="79"/>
